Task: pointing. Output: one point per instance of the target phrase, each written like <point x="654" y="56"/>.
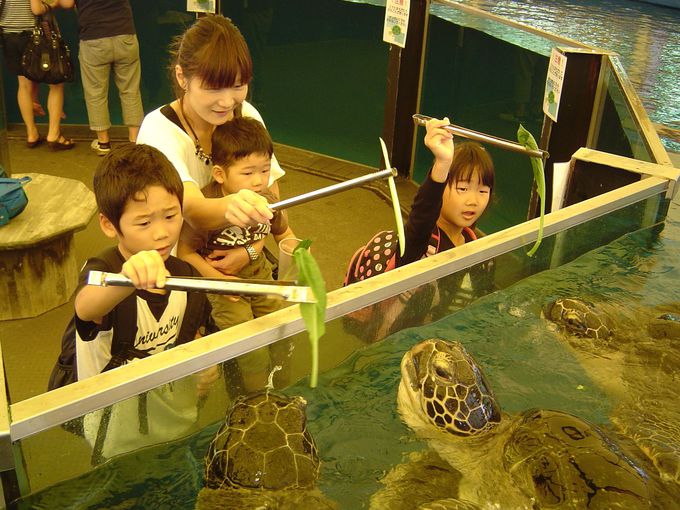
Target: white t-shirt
<point x="153" y="335"/>
<point x="160" y="132"/>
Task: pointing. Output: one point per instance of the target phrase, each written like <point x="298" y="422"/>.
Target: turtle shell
<point x="566" y="462"/>
<point x="263" y="444"/>
<point x="579" y="318"/>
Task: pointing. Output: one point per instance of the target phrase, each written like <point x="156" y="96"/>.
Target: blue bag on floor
<point x="13" y="198"/>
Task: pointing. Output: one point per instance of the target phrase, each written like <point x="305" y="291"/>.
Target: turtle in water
<point x="263" y="456"/>
<point x="638" y="366"/>
<point x="536" y="459"/>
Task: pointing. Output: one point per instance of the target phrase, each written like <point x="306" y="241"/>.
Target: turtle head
<point x="579" y="318"/>
<point x="442" y="386"/>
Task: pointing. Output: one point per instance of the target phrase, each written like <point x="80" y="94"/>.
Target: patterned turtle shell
<point x="579" y="318"/>
<point x="263" y="444"/>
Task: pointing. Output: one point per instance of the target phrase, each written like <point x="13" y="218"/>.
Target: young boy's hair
<point x="239" y="138"/>
<point x="469" y="157"/>
<point x="130" y="169"/>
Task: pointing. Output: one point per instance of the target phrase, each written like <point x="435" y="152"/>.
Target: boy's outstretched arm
<point x="440" y="142"/>
<point x="146" y="269"/>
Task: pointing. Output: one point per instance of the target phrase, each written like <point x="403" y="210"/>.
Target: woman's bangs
<point x="224" y="69"/>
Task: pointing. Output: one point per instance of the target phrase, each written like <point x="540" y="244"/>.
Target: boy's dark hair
<point x="469" y="157"/>
<point x="213" y="50"/>
<point x="238" y="139"/>
<point x="130" y="169"/>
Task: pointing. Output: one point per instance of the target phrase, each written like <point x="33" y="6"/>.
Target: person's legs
<point x="55" y="105"/>
<point x="55" y="108"/>
<point x="96" y="57"/>
<point x="25" y="102"/>
<point x="127" y="74"/>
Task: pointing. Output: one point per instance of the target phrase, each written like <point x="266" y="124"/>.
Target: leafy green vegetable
<point x="313" y="314"/>
<point x="525" y="138"/>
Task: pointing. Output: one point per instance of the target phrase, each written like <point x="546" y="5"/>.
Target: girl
<point x="451" y="199"/>
<point x="444" y="213"/>
<point x="445" y="209"/>
<point x="212" y="68"/>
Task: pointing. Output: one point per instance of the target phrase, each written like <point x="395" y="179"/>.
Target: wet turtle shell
<point x="579" y="317"/>
<point x="263" y="444"/>
<point x="639" y="369"/>
<point x="567" y="461"/>
<point x="546" y="457"/>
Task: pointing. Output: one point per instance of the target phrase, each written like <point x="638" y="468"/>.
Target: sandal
<point x="35" y="143"/>
<point x="61" y="144"/>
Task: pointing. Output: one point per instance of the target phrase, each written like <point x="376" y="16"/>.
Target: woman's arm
<point x="38" y="7"/>
<point x="242" y="209"/>
<point x="233" y="260"/>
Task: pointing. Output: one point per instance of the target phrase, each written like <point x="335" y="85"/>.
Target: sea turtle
<point x="537" y="459"/>
<point x="263" y="456"/>
<point x="638" y="366"/>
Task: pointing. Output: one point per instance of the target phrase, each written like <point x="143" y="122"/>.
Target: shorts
<point x="14" y="44"/>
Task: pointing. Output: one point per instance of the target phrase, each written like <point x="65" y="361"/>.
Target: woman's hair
<point x="213" y="50"/>
<point x="239" y="138"/>
<point x="128" y="170"/>
<point x="468" y="158"/>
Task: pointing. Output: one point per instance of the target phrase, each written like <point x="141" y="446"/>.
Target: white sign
<point x="201" y="6"/>
<point x="553" y="84"/>
<point x="396" y="22"/>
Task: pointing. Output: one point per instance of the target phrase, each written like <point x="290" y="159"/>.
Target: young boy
<point x="242" y="152"/>
<point x="139" y="196"/>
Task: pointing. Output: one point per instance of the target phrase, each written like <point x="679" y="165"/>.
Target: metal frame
<point x="51" y="409"/>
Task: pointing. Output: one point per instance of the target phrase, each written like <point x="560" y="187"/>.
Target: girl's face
<point x="214" y="106"/>
<point x="465" y="201"/>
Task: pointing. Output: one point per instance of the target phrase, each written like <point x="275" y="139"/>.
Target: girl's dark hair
<point x="213" y="50"/>
<point x="128" y="170"/>
<point x="239" y="138"/>
<point x="468" y="158"/>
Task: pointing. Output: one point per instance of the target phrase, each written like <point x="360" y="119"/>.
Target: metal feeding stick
<point x="420" y="120"/>
<point x="285" y="290"/>
<point x="332" y="189"/>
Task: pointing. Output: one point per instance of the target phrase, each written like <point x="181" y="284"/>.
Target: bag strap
<point x="14" y="184"/>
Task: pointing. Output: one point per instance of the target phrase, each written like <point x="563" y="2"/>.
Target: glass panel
<point x="319" y="79"/>
<point x="643" y="34"/>
<point x="168" y="428"/>
<point x="618" y="132"/>
<point x="456" y="85"/>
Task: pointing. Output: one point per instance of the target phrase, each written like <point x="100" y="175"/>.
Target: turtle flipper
<point x="657" y="436"/>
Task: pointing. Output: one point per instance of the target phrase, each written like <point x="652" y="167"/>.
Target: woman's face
<point x="214" y="106"/>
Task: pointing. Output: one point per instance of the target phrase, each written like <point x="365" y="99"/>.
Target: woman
<point x="17" y="21"/>
<point x="212" y="68"/>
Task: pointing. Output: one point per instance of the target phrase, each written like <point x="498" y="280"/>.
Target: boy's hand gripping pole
<point x="284" y="290"/>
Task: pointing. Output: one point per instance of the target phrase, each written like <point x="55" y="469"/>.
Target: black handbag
<point x="47" y="58"/>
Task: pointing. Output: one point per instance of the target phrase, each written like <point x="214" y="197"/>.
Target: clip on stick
<point x="420" y="120"/>
<point x="283" y="290"/>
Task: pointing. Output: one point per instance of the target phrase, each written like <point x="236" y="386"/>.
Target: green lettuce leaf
<point x="525" y="138"/>
<point x="313" y="314"/>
